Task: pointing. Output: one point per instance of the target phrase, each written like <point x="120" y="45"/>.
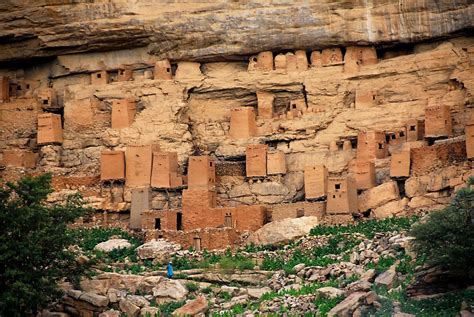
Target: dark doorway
<point x="158" y="223"/>
<point x="179" y="221"/>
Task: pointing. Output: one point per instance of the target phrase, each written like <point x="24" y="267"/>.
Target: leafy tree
<point x="34" y="254"/>
<point x="446" y="238"/>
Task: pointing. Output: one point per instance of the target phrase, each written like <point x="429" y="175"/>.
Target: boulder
<point x="170" y="289"/>
<point x="139" y="301"/>
<point x="386" y="278"/>
<point x="299" y="267"/>
<point x="129" y="308"/>
<point x="158" y="249"/>
<point x="390" y="209"/>
<point x="283" y="230"/>
<point x="348" y="305"/>
<point x="113" y="244"/>
<point x="95" y="299"/>
<point x="193" y="307"/>
<point x="258" y="292"/>
<point x="378" y="196"/>
<point x="329" y="292"/>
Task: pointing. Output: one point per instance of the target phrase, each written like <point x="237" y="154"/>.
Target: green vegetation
<point x="88" y="238"/>
<point x="383" y="264"/>
<point x="446" y="238"/>
<point x="304" y="290"/>
<point x="191" y="286"/>
<point x="368" y="228"/>
<point x="34" y="243"/>
<point x="326" y="304"/>
<point x="225" y="296"/>
<point x="167" y="309"/>
<point x="336" y="245"/>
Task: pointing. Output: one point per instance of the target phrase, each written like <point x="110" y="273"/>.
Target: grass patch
<point x="326" y="304"/>
<point x="336" y="245"/>
<point x="191" y="286"/>
<point x="368" y="228"/>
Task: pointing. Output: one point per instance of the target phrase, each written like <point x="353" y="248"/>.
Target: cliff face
<point x="190" y="112"/>
<point x="221" y="30"/>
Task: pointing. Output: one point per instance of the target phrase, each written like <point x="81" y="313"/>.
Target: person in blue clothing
<point x="169" y="270"/>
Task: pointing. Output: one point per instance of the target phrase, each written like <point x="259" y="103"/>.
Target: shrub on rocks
<point x="446" y="237"/>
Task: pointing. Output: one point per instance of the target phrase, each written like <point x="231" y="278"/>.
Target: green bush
<point x="34" y="240"/>
<point x="446" y="238"/>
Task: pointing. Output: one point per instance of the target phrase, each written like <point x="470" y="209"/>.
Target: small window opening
<point x="402" y="134"/>
<point x="45" y="101"/>
<point x="333" y="196"/>
<point x="254" y="59"/>
<point x="99" y="75"/>
<point x="28" y="86"/>
<point x="393" y="136"/>
<point x="210" y="164"/>
<point x="168" y="69"/>
<point x="412" y="128"/>
<point x="338" y="186"/>
<point x="380" y="146"/>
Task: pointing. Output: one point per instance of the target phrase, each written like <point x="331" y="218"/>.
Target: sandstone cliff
<point x="219" y="30"/>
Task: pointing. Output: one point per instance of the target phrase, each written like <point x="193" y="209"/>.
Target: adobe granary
<point x="342" y="195"/>
<point x="99" y="78"/>
<point x="242" y="123"/>
<point x="112" y="166"/>
<point x="165" y="172"/>
<point x="331" y="57"/>
<point x="371" y="145"/>
<point x="438" y="122"/>
<point x="357" y="56"/>
<point x="201" y="172"/>
<point x="49" y="129"/>
<point x="163" y="70"/>
<point x="125" y="73"/>
<point x="123" y="113"/>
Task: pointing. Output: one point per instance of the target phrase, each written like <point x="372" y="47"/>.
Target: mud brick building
<point x="438" y="122"/>
<point x="342" y="195"/>
<point x="123" y="113"/>
<point x="112" y="165"/>
<point x="138" y="160"/>
<point x="256" y="160"/>
<point x="371" y="145"/>
<point x="242" y="123"/>
<point x="400" y="164"/>
<point x="163" y="70"/>
<point x="201" y="172"/>
<point x="315" y="181"/>
<point x="364" y="173"/>
<point x="415" y="130"/>
<point x="50" y="128"/>
<point x="99" y="78"/>
<point x="165" y="170"/>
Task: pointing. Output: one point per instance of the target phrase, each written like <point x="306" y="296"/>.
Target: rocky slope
<point x="219" y="30"/>
<point x="334" y="271"/>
